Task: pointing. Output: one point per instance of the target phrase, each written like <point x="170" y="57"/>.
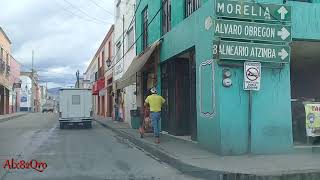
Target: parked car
<point x="75" y="107"/>
<point x="48" y="106"/>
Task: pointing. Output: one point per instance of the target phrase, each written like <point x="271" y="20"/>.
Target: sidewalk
<point x="188" y="157"/>
<point x="7" y="117"/>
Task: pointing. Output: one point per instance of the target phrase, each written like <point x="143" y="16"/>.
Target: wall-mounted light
<point x="227" y="73"/>
<point x="227" y="82"/>
<point x="108" y="62"/>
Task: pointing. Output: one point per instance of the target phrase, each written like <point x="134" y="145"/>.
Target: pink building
<point x="14" y="80"/>
<point x="100" y="73"/>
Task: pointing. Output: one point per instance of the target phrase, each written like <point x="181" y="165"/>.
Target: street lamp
<point x="108" y="62"/>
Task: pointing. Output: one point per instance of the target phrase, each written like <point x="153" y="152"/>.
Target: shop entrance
<point x="179" y="89"/>
<point x="305" y="87"/>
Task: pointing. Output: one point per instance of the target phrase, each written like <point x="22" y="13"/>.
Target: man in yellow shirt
<point x="155" y="103"/>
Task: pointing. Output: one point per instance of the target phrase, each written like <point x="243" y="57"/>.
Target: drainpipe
<point x="249" y="122"/>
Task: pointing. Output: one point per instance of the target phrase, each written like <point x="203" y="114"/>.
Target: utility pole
<point x="33" y="83"/>
<point x="78" y="76"/>
<point x="123" y="42"/>
<point x="46" y="91"/>
<point x="32" y="62"/>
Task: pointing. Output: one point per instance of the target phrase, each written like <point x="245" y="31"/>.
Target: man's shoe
<point x="157" y="141"/>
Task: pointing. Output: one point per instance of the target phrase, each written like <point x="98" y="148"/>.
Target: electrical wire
<point x="80" y="17"/>
<point x="86" y="14"/>
<point x="126" y="32"/>
<point x="139" y="35"/>
<point x="104" y="9"/>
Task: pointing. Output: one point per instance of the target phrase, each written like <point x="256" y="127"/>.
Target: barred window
<point x="145" y="28"/>
<point x="191" y="6"/>
<point x="166" y="16"/>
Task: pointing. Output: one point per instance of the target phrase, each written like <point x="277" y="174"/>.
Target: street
<point x="74" y="153"/>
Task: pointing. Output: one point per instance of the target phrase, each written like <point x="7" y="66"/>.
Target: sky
<point x="64" y="34"/>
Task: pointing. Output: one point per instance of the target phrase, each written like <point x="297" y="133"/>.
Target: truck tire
<point x="88" y="125"/>
<point x="62" y="125"/>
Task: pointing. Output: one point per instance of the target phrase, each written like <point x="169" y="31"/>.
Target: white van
<point x="75" y="107"/>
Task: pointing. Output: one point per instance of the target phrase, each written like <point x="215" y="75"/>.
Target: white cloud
<point x="63" y="43"/>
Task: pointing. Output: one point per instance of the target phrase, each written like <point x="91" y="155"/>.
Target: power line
<point x="78" y="16"/>
<point x="126" y="32"/>
<point x="104" y="9"/>
<point x="140" y="34"/>
<point x="77" y="8"/>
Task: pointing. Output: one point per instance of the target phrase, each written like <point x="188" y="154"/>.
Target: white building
<point x="26" y="94"/>
<point x="91" y="76"/>
<point x="125" y="52"/>
<point x="43" y="97"/>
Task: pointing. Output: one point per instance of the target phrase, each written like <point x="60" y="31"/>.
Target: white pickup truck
<point x="75" y="107"/>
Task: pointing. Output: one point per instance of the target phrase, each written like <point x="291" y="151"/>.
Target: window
<point x="96" y="76"/>
<point x="166" y="16"/>
<point x="145" y="28"/>
<point x="118" y="9"/>
<point x="109" y="50"/>
<point x="191" y="6"/>
<point x="102" y="58"/>
<point x="119" y="52"/>
<point x="130" y="38"/>
<point x="1" y="53"/>
<point x="7" y="58"/>
<point x="75" y="99"/>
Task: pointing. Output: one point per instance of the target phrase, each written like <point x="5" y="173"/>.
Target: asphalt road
<point x="74" y="154"/>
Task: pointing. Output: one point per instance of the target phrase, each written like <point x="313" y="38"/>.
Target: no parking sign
<point x="252" y="76"/>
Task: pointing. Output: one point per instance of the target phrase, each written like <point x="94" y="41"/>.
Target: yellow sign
<point x="312" y="119"/>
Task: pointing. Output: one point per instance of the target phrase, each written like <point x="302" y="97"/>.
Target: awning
<point x="129" y="77"/>
<point x="94" y="89"/>
<point x="100" y="84"/>
<point x="103" y="92"/>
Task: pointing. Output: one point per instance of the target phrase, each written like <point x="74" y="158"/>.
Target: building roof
<point x="101" y="46"/>
<point x="5" y="35"/>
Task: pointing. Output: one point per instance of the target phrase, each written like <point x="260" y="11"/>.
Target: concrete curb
<point x="12" y="117"/>
<point x="202" y="173"/>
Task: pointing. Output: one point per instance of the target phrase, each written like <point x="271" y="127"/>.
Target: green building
<point x="175" y="39"/>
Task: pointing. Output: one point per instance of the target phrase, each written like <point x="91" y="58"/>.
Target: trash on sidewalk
<point x="146" y="126"/>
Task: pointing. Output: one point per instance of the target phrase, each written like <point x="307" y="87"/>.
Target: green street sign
<point x="232" y="50"/>
<point x="253" y="11"/>
<point x="252" y="31"/>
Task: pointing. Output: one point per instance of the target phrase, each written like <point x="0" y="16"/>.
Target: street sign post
<point x="252" y="31"/>
<point x="232" y="50"/>
<point x="253" y="11"/>
<point x="252" y="76"/>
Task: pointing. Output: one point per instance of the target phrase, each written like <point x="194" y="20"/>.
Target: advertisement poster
<point x="24" y="100"/>
<point x="312" y="119"/>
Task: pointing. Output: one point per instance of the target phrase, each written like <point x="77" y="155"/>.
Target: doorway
<point x="305" y="87"/>
<point x="178" y="84"/>
<point x="109" y="102"/>
<point x="103" y="111"/>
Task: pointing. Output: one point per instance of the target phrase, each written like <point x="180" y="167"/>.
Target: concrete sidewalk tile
<point x="189" y="157"/>
<point x="7" y="117"/>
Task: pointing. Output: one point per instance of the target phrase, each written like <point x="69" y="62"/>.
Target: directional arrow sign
<point x="283" y="12"/>
<point x="252" y="31"/>
<point x="284" y="33"/>
<point x="232" y="50"/>
<point x="253" y="11"/>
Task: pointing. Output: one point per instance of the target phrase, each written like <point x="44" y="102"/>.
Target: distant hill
<point x="54" y="91"/>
